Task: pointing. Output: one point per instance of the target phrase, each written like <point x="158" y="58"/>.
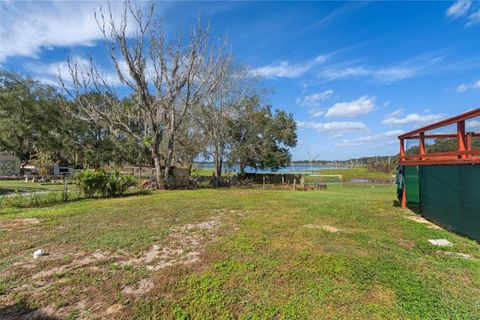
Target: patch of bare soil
<point x="424" y="221"/>
<point x="184" y="246"/>
<point x="327" y="228"/>
<point x="82" y="260"/>
<point x="455" y="254"/>
<point x="51" y="273"/>
<point x="379" y="295"/>
<point x="11" y="224"/>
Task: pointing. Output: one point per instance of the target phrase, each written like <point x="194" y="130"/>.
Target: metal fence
<point x="27" y="192"/>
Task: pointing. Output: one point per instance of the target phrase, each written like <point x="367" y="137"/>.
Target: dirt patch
<point x="116" y="308"/>
<point x="455" y="254"/>
<point x="380" y="295"/>
<point x="408" y="244"/>
<point x="327" y="228"/>
<point x="183" y="246"/>
<point x="424" y="221"/>
<point x="30" y="221"/>
<point x="51" y="273"/>
<point x="15" y="224"/>
<point x="83" y="261"/>
<point x="143" y="286"/>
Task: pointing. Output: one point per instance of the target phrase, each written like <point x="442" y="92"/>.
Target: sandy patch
<point x="424" y="221"/>
<point x="15" y="224"/>
<point x="85" y="260"/>
<point x="455" y="254"/>
<point x="143" y="286"/>
<point x="327" y="228"/>
<point x="184" y="246"/>
<point x="30" y="221"/>
<point x="116" y="308"/>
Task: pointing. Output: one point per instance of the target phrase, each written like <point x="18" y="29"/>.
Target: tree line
<point x="182" y="97"/>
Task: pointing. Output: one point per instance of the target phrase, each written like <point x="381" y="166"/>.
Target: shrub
<point x="102" y="183"/>
<point x="117" y="183"/>
<point x="91" y="182"/>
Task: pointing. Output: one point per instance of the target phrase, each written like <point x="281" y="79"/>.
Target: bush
<point x="117" y="183"/>
<point x="102" y="183"/>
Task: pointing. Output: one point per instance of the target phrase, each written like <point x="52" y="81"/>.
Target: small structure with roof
<point x="9" y="165"/>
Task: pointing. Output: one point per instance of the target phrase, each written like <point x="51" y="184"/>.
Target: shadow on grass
<point x="22" y="310"/>
<point x="412" y="207"/>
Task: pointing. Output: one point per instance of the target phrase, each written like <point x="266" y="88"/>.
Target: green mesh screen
<point x="412" y="184"/>
<point x="7" y="167"/>
<point x="450" y="197"/>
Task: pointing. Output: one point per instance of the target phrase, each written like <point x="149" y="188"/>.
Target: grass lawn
<point x="343" y="253"/>
<point x="357" y="172"/>
<point x="21" y="185"/>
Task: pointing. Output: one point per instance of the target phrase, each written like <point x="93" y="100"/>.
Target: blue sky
<point x="354" y="74"/>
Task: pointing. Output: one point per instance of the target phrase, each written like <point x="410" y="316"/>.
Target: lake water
<point x="292" y="168"/>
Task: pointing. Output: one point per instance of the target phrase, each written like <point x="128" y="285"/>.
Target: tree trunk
<point x="156" y="163"/>
<point x="242" y="168"/>
<point x="170" y="145"/>
<point x="168" y="159"/>
<point x="218" y="162"/>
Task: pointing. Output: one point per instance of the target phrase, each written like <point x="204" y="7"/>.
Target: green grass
<point x="21" y="185"/>
<point x="357" y="172"/>
<point x="262" y="263"/>
<point x="209" y="172"/>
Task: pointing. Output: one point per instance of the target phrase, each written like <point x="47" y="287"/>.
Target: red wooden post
<point x="404" y="196"/>
<point x="422" y="145"/>
<point x="402" y="149"/>
<point x="461" y="139"/>
<point x="469" y="144"/>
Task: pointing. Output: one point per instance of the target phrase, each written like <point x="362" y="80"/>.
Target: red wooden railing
<point x="464" y="153"/>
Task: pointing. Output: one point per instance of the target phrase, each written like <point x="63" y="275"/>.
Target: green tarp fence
<point x="412" y="183"/>
<point x="450" y="197"/>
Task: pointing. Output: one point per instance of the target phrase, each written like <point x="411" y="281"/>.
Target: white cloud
<point x="395" y="113"/>
<point x="473" y="124"/>
<point x="286" y="70"/>
<point x="314" y="113"/>
<point x="383" y="138"/>
<point x="389" y="74"/>
<point x="48" y="73"/>
<point x="332" y="126"/>
<point x="394" y="119"/>
<point x="335" y="73"/>
<point x="404" y="70"/>
<point x="464" y="86"/>
<point x="395" y="73"/>
<point x="473" y="19"/>
<point x="362" y="105"/>
<point x="459" y="8"/>
<point x="313" y="100"/>
<point x="27" y="28"/>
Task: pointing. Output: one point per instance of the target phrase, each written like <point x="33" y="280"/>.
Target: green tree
<point x="262" y="138"/>
<point x="30" y="117"/>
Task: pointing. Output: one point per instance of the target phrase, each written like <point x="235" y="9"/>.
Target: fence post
<point x="294" y="184"/>
<point x="65" y="189"/>
<point x="283" y="183"/>
<point x="263" y="181"/>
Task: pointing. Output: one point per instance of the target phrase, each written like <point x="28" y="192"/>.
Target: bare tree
<point x="165" y="78"/>
<point x="192" y="140"/>
<point x="221" y="107"/>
